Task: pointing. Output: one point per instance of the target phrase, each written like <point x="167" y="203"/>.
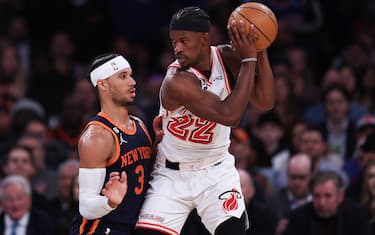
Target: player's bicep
<point x="188" y="93"/>
<point x="95" y="147"/>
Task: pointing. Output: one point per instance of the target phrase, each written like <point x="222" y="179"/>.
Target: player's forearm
<point x="262" y="95"/>
<point x="92" y="205"/>
<point x="237" y="101"/>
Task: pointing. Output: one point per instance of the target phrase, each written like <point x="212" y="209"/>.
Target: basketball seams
<point x="262" y="11"/>
<point x="264" y="35"/>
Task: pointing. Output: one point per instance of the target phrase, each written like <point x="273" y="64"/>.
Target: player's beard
<point x="123" y="102"/>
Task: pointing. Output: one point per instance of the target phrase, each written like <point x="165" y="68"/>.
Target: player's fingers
<point x="124" y="177"/>
<point x="241" y="30"/>
<point x="250" y="36"/>
<point x="234" y="30"/>
<point x="114" y="174"/>
<point x="233" y="34"/>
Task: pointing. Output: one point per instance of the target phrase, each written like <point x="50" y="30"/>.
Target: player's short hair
<point x="190" y="19"/>
<point x="101" y="59"/>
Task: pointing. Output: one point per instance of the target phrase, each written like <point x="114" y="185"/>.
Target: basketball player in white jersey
<point x="205" y="92"/>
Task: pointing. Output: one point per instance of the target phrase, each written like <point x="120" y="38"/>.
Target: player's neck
<point x="118" y="114"/>
<point x="206" y="62"/>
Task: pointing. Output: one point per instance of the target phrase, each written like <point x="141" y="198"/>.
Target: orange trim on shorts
<point x="156" y="227"/>
<point x="128" y="132"/>
<point x="94" y="226"/>
<point x="225" y="72"/>
<point x="82" y="226"/>
<point x="115" y="157"/>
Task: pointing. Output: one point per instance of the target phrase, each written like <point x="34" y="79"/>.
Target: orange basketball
<point x="263" y="19"/>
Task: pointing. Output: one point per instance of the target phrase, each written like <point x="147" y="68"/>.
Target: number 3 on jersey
<point x="200" y="133"/>
<point x="140" y="172"/>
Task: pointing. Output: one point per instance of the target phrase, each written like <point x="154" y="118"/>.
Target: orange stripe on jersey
<point x="82" y="226"/>
<point x="156" y="227"/>
<point x="225" y="72"/>
<point x="128" y="132"/>
<point x="94" y="226"/>
<point x="143" y="127"/>
<point x="115" y="156"/>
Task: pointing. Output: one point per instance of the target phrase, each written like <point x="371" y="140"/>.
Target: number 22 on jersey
<point x="196" y="130"/>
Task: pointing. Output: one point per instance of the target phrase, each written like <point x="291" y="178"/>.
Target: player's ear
<point x="102" y="84"/>
<point x="205" y="38"/>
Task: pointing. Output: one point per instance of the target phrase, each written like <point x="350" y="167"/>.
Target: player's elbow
<point x="231" y="120"/>
<point x="267" y="106"/>
<point x="86" y="212"/>
<point x="93" y="206"/>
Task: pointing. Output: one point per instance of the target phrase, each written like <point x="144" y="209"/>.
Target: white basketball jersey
<point x="189" y="138"/>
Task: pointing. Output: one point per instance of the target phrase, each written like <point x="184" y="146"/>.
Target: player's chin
<point x="184" y="66"/>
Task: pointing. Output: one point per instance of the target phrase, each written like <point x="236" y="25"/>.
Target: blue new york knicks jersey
<point x="133" y="156"/>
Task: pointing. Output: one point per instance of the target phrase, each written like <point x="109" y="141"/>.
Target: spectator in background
<point x="262" y="218"/>
<point x="286" y="103"/>
<point x="7" y="136"/>
<point x="365" y="126"/>
<point x="86" y="96"/>
<point x="23" y="111"/>
<point x="296" y="193"/>
<point x="72" y="210"/>
<point x="240" y="148"/>
<point x="19" y="216"/>
<point x="365" y="153"/>
<point x="69" y="125"/>
<point x="314" y="144"/>
<point x="67" y="172"/>
<point x="45" y="179"/>
<point x="11" y="71"/>
<point x="19" y="161"/>
<point x="366" y="89"/>
<point x="270" y="132"/>
<point x="246" y="158"/>
<point x="18" y="33"/>
<point x="317" y="113"/>
<point x="368" y="192"/>
<point x="54" y="149"/>
<point x="328" y="213"/>
<point x="338" y="129"/>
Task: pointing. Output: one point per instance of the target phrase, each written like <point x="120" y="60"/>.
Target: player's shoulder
<point x="137" y="119"/>
<point x="175" y="74"/>
<point x="95" y="135"/>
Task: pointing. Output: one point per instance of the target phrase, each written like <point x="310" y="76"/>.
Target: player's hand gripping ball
<point x="263" y="19"/>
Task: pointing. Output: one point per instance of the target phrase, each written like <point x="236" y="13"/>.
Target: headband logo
<point x="114" y="66"/>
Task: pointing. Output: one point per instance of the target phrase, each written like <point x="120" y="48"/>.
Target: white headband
<point x="108" y="69"/>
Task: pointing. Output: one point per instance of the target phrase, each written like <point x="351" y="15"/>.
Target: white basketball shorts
<point x="214" y="190"/>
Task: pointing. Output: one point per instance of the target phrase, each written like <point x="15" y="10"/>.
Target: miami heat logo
<point x="230" y="200"/>
<point x="114" y="66"/>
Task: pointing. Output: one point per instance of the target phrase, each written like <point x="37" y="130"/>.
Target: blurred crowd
<point x="324" y="119"/>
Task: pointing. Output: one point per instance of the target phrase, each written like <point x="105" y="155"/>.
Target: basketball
<point x="263" y="19"/>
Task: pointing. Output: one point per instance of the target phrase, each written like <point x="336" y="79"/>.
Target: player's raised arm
<point x="182" y="88"/>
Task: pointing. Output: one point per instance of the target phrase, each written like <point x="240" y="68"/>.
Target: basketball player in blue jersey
<point x="115" y="155"/>
<point x="205" y="92"/>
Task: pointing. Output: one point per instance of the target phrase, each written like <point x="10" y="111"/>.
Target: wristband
<point x="249" y="59"/>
